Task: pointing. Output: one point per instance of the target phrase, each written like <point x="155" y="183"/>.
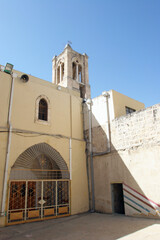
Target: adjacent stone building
<point x="63" y="153"/>
<point x="126" y="154"/>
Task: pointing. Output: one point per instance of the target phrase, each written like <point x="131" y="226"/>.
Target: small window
<point x="43" y="110"/>
<point x="129" y="110"/>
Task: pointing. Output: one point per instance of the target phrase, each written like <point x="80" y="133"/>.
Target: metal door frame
<point x="23" y="212"/>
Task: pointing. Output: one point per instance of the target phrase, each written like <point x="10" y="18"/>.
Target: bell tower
<point x="70" y="70"/>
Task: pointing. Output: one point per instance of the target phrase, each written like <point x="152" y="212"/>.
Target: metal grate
<point x="40" y="161"/>
<point x="36" y="191"/>
<point x="32" y="200"/>
<point x="43" y="110"/>
<point x="17" y="191"/>
<point x="37" y="174"/>
<point x="27" y="158"/>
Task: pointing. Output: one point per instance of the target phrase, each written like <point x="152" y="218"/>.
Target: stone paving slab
<point x="87" y="226"/>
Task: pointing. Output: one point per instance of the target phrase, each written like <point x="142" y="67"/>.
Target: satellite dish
<point x="24" y="78"/>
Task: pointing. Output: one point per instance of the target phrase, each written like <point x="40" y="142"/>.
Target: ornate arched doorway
<point x="39" y="186"/>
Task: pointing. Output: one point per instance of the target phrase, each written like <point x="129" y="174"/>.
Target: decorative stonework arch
<point x="37" y="120"/>
<point x="39" y="161"/>
<point x="61" y="60"/>
<point x="75" y="58"/>
<point x="39" y="186"/>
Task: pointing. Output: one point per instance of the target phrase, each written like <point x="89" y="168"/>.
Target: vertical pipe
<point x="70" y="140"/>
<point x="69" y="184"/>
<point x="87" y="155"/>
<point x="70" y="157"/>
<point x="42" y="199"/>
<point x="90" y="103"/>
<point x="13" y="76"/>
<point x="56" y="198"/>
<point x="8" y="201"/>
<point x="26" y="193"/>
<point x="106" y="95"/>
<point x="70" y="154"/>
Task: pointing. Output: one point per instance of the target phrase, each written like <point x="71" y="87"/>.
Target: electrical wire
<point x="20" y="133"/>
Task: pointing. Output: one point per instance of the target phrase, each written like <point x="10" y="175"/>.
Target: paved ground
<point x="88" y="226"/>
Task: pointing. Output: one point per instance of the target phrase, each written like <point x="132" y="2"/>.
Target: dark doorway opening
<point x="117" y="198"/>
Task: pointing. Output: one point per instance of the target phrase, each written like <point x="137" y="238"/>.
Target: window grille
<point x="43" y="110"/>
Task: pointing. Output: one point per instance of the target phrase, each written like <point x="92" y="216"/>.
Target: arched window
<point x="60" y="72"/>
<point x="74" y="75"/>
<point x="76" y="71"/>
<point x="43" y="110"/>
<point x="79" y="73"/>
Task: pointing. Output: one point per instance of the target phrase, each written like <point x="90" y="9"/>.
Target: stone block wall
<point x="135" y="130"/>
<point x="134" y="162"/>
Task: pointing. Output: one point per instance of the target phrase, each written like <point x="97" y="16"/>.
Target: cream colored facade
<point x="63" y="131"/>
<point x="92" y="142"/>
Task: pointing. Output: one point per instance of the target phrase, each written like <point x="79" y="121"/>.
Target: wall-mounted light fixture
<point x="8" y="68"/>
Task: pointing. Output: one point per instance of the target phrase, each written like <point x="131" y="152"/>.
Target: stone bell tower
<point x="70" y="70"/>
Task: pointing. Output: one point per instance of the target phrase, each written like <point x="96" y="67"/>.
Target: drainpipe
<point x="90" y="103"/>
<point x="70" y="157"/>
<point x="4" y="194"/>
<point x="87" y="155"/>
<point x="106" y="95"/>
<point x="70" y="140"/>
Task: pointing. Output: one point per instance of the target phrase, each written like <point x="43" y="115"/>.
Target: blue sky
<point x="121" y="38"/>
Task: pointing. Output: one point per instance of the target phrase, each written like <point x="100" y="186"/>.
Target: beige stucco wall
<point x="65" y="120"/>
<point x="3" y="143"/>
<point x="5" y="84"/>
<point x="120" y="101"/>
<point x="104" y="110"/>
<point x="79" y="189"/>
<point x="133" y="161"/>
<point x="116" y="106"/>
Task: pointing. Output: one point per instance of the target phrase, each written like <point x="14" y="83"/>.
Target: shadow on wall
<point x="117" y="190"/>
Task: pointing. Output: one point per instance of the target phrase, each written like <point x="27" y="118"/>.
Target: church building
<point x="63" y="153"/>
